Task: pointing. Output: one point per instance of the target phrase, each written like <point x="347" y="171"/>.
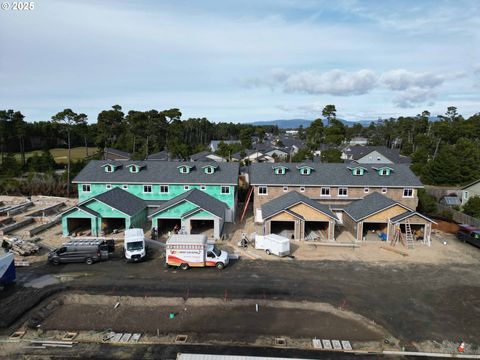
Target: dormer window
<point x="384" y="171"/>
<point x="279" y="170"/>
<point x="305" y="170"/>
<point x="135" y="168"/>
<point x="209" y="169"/>
<point x="110" y="167"/>
<point x="184" y="169"/>
<point x="358" y="171"/>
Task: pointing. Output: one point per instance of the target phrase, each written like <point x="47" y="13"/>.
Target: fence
<point x="458" y="216"/>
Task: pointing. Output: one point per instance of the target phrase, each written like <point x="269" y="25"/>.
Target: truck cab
<point x="134" y="245"/>
<point x="469" y="234"/>
<point x="216" y="257"/>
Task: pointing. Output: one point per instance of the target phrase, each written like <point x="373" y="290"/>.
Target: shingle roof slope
<point x="121" y="200"/>
<point x="370" y="204"/>
<point x="334" y="174"/>
<point x="393" y="155"/>
<point x="199" y="198"/>
<point x="199" y="155"/>
<point x="117" y="152"/>
<point x="159" y="172"/>
<point x="289" y="199"/>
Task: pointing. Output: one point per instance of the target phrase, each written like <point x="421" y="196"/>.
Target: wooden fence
<point x="458" y="216"/>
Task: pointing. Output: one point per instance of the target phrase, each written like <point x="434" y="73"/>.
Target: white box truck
<point x="187" y="251"/>
<point x="134" y="245"/>
<point x="273" y="244"/>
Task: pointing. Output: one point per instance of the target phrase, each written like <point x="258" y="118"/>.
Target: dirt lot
<point x="232" y="321"/>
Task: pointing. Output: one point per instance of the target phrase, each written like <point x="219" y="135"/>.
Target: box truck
<point x="134" y="245"/>
<point x="273" y="244"/>
<point x="187" y="251"/>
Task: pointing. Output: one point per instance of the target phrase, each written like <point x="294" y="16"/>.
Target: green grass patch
<point x="60" y="154"/>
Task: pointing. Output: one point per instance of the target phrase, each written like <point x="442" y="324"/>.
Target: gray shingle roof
<point x="121" y="200"/>
<point x="117" y="152"/>
<point x="358" y="152"/>
<point x="369" y="205"/>
<point x="159" y="172"/>
<point x="330" y="174"/>
<point x="408" y="214"/>
<point x="290" y="199"/>
<point x="200" y="155"/>
<point x="198" y="198"/>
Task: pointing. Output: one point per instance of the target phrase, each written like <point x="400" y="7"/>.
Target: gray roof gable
<point x="369" y="205"/>
<point x="408" y="214"/>
<point x="357" y="152"/>
<point x="159" y="172"/>
<point x="290" y="199"/>
<point x="121" y="200"/>
<point x="333" y="174"/>
<point x="114" y="151"/>
<point x="198" y="198"/>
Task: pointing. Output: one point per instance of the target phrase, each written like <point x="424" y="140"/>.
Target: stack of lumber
<point x="20" y="247"/>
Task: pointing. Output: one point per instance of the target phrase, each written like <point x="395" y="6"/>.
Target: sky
<point x="242" y="61"/>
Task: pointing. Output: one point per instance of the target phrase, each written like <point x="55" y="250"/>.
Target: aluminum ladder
<point x="409" y="235"/>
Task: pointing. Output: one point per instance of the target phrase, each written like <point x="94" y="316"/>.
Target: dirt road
<point x="413" y="303"/>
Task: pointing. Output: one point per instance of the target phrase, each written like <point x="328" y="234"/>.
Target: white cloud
<point x="401" y="79"/>
<point x="413" y="96"/>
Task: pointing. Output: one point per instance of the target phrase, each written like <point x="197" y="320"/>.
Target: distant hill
<point x="295" y="123"/>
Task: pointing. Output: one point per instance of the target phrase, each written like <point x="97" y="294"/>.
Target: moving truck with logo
<point x="185" y="251"/>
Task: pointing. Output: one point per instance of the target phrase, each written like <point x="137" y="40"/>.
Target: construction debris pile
<point x="19" y="247"/>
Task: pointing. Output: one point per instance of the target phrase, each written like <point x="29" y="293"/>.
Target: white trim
<point x="302" y="189"/>
<point x="384" y="190"/>
<point x="325" y="195"/>
<point x="225" y="187"/>
<point x="285" y="189"/>
<point x="341" y="195"/>
<point x="164" y="192"/>
<point x="262" y="187"/>
<point x="125" y="187"/>
<point x="89" y="188"/>
<point x="366" y="190"/>
<point x="186" y="187"/>
<point x="407" y="196"/>
<point x="108" y="186"/>
<point x="148" y="192"/>
<point x="203" y="187"/>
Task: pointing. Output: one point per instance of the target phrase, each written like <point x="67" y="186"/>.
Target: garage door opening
<point x="283" y="228"/>
<point x="418" y="231"/>
<point x="374" y="231"/>
<point x="166" y="225"/>
<point x="110" y="225"/>
<point x="204" y="227"/>
<point x="316" y="230"/>
<point x="79" y="226"/>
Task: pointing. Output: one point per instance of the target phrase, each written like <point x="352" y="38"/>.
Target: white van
<point x="273" y="244"/>
<point x="134" y="245"/>
<point x="187" y="251"/>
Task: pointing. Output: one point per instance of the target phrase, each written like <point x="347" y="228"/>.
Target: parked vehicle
<point x="134" y="245"/>
<point x="273" y="244"/>
<point x="187" y="251"/>
<point x="469" y="234"/>
<point x="87" y="251"/>
<point x="7" y="269"/>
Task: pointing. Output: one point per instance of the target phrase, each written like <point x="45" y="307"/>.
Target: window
<point x="109" y="168"/>
<point x="124" y="187"/>
<point x="285" y="188"/>
<point x="225" y="190"/>
<point x="305" y="171"/>
<point x="325" y="191"/>
<point x="262" y="190"/>
<point x="147" y="188"/>
<point x="358" y="171"/>
<point x="408" y="193"/>
<point x="280" y="171"/>
<point x="203" y="187"/>
<point x="302" y="189"/>
<point x="342" y="191"/>
<point x="384" y="190"/>
<point x="108" y="186"/>
<point x="86" y="188"/>
<point x="163" y="189"/>
<point x="366" y="190"/>
<point x="209" y="170"/>
<point x="465" y="195"/>
<point x="186" y="187"/>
